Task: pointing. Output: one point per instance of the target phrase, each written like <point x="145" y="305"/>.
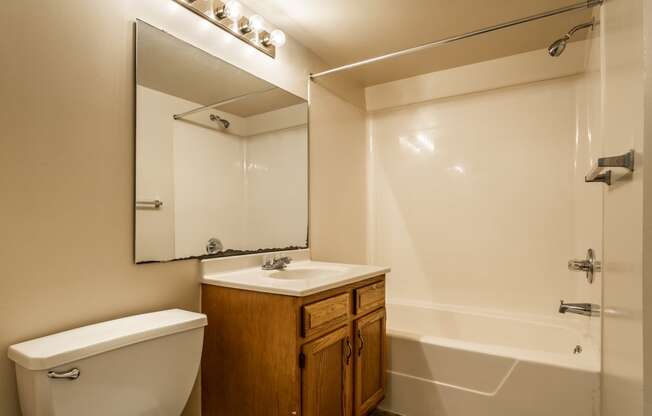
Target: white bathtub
<point x="448" y="362"/>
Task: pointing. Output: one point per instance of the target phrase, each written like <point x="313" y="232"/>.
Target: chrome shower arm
<point x="580" y="27"/>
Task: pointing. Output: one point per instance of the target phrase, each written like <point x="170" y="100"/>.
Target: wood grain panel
<point x="369" y="297"/>
<point x="370" y="356"/>
<point x="326" y="377"/>
<point x="249" y="362"/>
<point x="326" y="314"/>
<point x="252" y="346"/>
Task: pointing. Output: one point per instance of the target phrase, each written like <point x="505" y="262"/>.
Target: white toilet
<point x="139" y="365"/>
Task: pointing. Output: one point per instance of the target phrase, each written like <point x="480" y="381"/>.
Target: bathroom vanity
<point x="308" y="340"/>
<point x="213" y="143"/>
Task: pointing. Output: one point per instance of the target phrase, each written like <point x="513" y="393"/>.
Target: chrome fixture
<point x="276" y="263"/>
<point x="587" y="4"/>
<point x="226" y="123"/>
<point x="214" y="246"/>
<point x="227" y="15"/>
<point x="599" y="174"/>
<point x="585" y="309"/>
<point x="229" y="10"/>
<point x="155" y="204"/>
<point x="277" y="38"/>
<point x="69" y="375"/>
<point x="244" y="26"/>
<point x="589" y="265"/>
<point x="557" y="47"/>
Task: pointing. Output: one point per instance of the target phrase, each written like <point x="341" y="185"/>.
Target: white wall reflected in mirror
<point x="237" y="172"/>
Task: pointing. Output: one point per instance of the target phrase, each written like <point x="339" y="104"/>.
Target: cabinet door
<point x="369" y="376"/>
<point x="326" y="375"/>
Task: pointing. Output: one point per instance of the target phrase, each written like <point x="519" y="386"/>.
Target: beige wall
<point x="66" y="165"/>
<point x="647" y="211"/>
<point x="337" y="178"/>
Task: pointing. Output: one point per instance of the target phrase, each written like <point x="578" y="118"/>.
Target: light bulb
<point x="256" y="23"/>
<point x="277" y="38"/>
<point x="233" y="9"/>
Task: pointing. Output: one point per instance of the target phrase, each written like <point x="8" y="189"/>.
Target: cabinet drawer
<point x="369" y="297"/>
<point x="325" y="314"/>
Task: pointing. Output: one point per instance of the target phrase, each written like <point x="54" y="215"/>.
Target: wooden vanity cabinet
<point x="326" y="375"/>
<point x="369" y="374"/>
<point x="275" y="355"/>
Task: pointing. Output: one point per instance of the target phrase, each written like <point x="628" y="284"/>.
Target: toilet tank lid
<point x="64" y="347"/>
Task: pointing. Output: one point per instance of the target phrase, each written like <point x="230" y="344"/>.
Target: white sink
<point x="298" y="279"/>
<point x="307" y="272"/>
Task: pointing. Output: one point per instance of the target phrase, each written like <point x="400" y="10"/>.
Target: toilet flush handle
<point x="70" y="375"/>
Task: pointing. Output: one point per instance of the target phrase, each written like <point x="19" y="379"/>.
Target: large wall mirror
<point x="221" y="156"/>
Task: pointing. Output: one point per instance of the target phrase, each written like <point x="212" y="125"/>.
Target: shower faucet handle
<point x="589" y="265"/>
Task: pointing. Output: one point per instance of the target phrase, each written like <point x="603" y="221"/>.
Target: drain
<point x="577" y="349"/>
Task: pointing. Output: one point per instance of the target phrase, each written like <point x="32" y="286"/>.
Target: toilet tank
<point x="139" y="365"/>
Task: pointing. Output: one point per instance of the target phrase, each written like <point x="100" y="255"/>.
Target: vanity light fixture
<point x="227" y="15"/>
<point x="256" y="23"/>
<point x="229" y="10"/>
<point x="243" y="25"/>
<point x="276" y="38"/>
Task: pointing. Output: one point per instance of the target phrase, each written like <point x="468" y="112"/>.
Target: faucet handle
<point x="268" y="260"/>
<point x="589" y="265"/>
<point x="283" y="259"/>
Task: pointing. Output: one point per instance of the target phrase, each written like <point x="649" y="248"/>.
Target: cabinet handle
<point x="349" y="350"/>
<point x="361" y="342"/>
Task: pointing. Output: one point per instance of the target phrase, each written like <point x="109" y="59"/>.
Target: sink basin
<point x="306" y="272"/>
<point x="300" y="278"/>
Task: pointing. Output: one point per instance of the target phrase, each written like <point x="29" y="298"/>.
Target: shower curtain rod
<point x="585" y="4"/>
<point x="230" y="100"/>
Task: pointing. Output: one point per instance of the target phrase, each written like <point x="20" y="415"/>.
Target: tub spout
<point x="586" y="309"/>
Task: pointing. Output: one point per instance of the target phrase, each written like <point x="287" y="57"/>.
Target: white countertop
<point x="298" y="279"/>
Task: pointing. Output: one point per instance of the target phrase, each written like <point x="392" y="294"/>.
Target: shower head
<point x="557" y="47"/>
<point x="226" y="123"/>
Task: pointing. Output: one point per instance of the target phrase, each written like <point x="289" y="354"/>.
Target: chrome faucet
<point x="586" y="309"/>
<point x="589" y="265"/>
<point x="276" y="263"/>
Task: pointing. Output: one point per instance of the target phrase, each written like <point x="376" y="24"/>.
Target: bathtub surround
<point x="473" y="191"/>
<point x="477" y="200"/>
<point x="216" y="183"/>
<point x="609" y="98"/>
<point x="626" y="349"/>
<point x="67" y="176"/>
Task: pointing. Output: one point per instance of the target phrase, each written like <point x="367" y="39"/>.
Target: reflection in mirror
<point x="221" y="156"/>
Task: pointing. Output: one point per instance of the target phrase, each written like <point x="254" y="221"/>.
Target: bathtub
<point x="451" y="362"/>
